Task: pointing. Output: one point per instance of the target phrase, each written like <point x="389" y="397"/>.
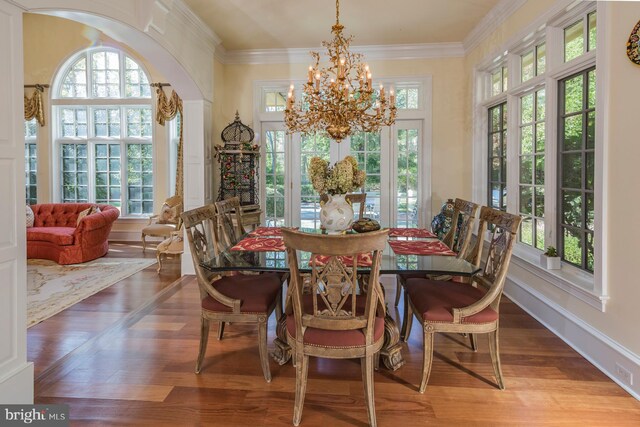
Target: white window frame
<point x="589" y="288"/>
<point x="58" y="103"/>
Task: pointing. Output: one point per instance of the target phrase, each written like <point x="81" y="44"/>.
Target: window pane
<point x="526" y="230"/>
<point x="526" y="170"/>
<point x="541" y="58"/>
<point x="139" y="191"/>
<point x="573" y="94"/>
<point x="527" y="64"/>
<point x="496" y="82"/>
<point x="572" y="250"/>
<point x="572" y="170"/>
<point x="592" y="31"/>
<point x="572" y="208"/>
<point x="573" y="41"/>
<point x="572" y="133"/>
<point x="527" y="109"/>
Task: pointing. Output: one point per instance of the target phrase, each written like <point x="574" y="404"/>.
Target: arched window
<point x="103" y="132"/>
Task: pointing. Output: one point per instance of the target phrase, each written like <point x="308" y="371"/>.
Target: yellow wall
<point x="620" y="231"/>
<point x="449" y="178"/>
<point x="48" y="43"/>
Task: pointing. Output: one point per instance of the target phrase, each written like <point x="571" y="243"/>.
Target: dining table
<point x="262" y="250"/>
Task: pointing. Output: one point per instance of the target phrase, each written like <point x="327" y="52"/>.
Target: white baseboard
<point x="129" y="236"/>
<point x="603" y="352"/>
<point x="17" y="387"/>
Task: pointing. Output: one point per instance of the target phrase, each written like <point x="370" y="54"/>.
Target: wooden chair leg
<point x="279" y="312"/>
<point x="473" y="338"/>
<point x="262" y="348"/>
<point x="376" y="361"/>
<point x="398" y="291"/>
<point x="144" y="243"/>
<point x="159" y="262"/>
<point x="204" y="339"/>
<point x="407" y="320"/>
<point x="220" y="330"/>
<point x="302" y="367"/>
<point x="427" y="358"/>
<point x="367" y="379"/>
<point x="495" y="357"/>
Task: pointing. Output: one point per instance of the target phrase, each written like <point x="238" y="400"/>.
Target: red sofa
<point x="56" y="236"/>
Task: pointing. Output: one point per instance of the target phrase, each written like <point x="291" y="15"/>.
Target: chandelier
<point x="339" y="99"/>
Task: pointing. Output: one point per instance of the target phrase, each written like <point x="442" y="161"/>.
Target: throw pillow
<point x="83" y="214"/>
<point x="168" y="215"/>
<point x="30" y="217"/>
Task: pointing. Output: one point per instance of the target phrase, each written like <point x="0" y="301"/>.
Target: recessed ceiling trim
<point x="372" y="53"/>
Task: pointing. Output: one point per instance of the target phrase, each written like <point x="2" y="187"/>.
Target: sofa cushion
<point x="59" y="235"/>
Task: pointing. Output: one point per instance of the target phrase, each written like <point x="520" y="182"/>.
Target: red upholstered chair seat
<point x="435" y="300"/>
<point x="328" y="338"/>
<point x="257" y="292"/>
<point x="336" y="339"/>
<point x="59" y="235"/>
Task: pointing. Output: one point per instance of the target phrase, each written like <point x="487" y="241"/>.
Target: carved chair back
<point x="503" y="228"/>
<point x="230" y="227"/>
<point x="333" y="283"/>
<point x="202" y="234"/>
<point x="459" y="237"/>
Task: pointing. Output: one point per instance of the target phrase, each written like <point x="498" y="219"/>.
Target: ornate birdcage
<point x="239" y="164"/>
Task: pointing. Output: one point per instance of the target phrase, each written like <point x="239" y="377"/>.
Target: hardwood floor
<point x="127" y="358"/>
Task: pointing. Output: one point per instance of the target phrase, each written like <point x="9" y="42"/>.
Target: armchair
<point x="167" y="221"/>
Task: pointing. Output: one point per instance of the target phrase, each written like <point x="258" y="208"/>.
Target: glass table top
<point x="391" y="263"/>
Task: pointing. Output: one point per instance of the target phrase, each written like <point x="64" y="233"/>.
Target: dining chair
<point x="458" y="239"/>
<point x="353" y="198"/>
<point x="465" y="307"/>
<point x="230" y="226"/>
<point x="235" y="298"/>
<point x="334" y="320"/>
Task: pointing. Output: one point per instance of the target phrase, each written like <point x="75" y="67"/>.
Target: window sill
<point x="569" y="279"/>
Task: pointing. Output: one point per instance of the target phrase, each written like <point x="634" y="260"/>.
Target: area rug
<point x="52" y="288"/>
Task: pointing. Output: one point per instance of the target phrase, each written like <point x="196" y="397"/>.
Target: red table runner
<point x="410" y="232"/>
<point x="420" y="247"/>
<point x="260" y="244"/>
<point x="267" y="231"/>
<point x="364" y="260"/>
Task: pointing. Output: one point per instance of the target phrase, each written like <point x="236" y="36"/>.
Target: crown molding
<point x="492" y="20"/>
<point x="372" y="52"/>
<point x="197" y="24"/>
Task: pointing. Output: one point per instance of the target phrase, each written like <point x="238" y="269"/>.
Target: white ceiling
<point x="277" y="24"/>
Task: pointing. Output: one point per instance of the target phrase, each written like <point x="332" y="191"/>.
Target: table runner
<point x="420" y="247"/>
<point x="260" y="244"/>
<point x="268" y="231"/>
<point x="410" y="232"/>
<point x="364" y="260"/>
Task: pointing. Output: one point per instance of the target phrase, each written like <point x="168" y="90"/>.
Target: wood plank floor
<point x="127" y="358"/>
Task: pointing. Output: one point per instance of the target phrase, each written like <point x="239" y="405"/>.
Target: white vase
<point x="336" y="215"/>
<point x="550" y="262"/>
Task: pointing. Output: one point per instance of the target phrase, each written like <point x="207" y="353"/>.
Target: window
<point x="275" y="101"/>
<point x="275" y="176"/>
<point x="499" y="81"/>
<point x="580" y="37"/>
<point x="576" y="160"/>
<point x="407" y="178"/>
<point x="31" y="160"/>
<point x="407" y="98"/>
<point x="533" y="62"/>
<point x="103" y="130"/>
<point x="531" y="182"/>
<point x="497" y="180"/>
<point x="365" y="148"/>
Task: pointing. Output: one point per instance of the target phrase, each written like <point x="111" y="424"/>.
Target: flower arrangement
<point x="341" y="178"/>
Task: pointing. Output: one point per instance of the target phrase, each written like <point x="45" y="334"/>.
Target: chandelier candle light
<point x="339" y="99"/>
